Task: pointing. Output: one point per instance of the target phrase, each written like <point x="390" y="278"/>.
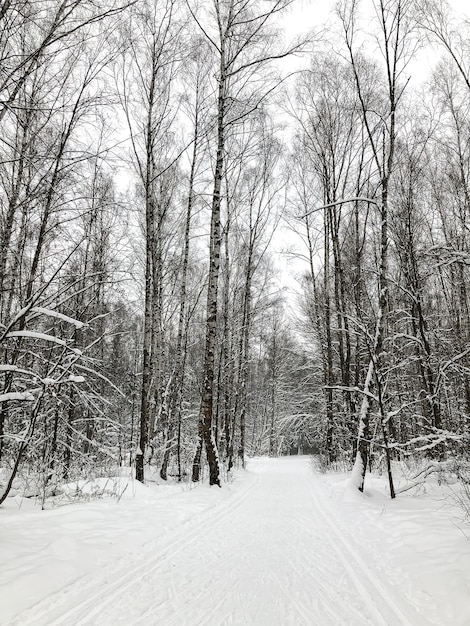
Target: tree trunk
<point x="206" y="409"/>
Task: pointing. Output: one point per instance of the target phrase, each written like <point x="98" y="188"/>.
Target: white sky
<point x="307" y="14"/>
<point x="304" y="16"/>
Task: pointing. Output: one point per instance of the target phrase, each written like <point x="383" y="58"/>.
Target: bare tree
<point x="394" y="25"/>
<point x="238" y="33"/>
<point x="146" y="93"/>
<point x="57" y="103"/>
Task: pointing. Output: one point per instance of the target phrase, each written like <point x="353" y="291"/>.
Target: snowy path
<point x="274" y="554"/>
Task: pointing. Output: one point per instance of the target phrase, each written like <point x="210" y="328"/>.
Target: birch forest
<point x="222" y="236"/>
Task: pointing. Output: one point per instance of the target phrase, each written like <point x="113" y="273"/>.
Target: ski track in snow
<point x="273" y="555"/>
<point x="385" y="609"/>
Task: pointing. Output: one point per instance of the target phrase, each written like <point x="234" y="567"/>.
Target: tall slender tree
<point x="240" y="35"/>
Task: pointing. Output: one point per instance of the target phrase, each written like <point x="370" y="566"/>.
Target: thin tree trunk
<point x="206" y="434"/>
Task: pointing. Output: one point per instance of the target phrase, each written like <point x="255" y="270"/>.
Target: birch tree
<point x="239" y="33"/>
<point x="56" y="106"/>
<point x="395" y="37"/>
<point x="145" y="82"/>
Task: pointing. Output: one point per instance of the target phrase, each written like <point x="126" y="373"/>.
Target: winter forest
<point x="232" y="229"/>
<point x="157" y="159"/>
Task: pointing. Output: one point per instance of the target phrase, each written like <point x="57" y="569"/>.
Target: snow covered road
<point x="274" y="553"/>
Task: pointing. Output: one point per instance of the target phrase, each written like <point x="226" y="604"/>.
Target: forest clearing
<point x="280" y="545"/>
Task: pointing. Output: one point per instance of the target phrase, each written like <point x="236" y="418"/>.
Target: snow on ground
<point x="279" y="545"/>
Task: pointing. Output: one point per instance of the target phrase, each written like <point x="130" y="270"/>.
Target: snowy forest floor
<point x="278" y="545"/>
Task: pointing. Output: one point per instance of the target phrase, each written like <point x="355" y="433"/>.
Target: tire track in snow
<point x="359" y="574"/>
<point x="83" y="611"/>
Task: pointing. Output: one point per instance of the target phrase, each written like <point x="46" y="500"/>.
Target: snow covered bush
<point x="57" y="416"/>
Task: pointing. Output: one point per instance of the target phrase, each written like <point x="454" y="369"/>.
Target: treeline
<point x="137" y="145"/>
<point x="145" y="166"/>
<point x="385" y="158"/>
